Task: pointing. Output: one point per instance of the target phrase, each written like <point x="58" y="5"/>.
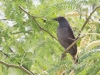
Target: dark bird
<point x="65" y="36"/>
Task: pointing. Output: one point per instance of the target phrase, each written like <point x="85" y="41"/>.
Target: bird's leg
<point x="71" y="39"/>
<point x="75" y="57"/>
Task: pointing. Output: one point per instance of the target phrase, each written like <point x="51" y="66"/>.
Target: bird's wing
<point x="69" y="35"/>
<point x="71" y="32"/>
<point x="65" y="36"/>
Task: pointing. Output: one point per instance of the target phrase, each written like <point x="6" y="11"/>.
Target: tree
<point x="28" y="42"/>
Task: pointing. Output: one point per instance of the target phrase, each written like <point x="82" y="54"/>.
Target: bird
<point x="65" y="36"/>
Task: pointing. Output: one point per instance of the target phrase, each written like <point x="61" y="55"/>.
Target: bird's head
<point x="59" y="19"/>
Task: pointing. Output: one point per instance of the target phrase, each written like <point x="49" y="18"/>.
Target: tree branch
<point x="87" y="21"/>
<point x="78" y="37"/>
<point x="19" y="67"/>
<point x="3" y="19"/>
<point x="4" y="53"/>
<point x="64" y="53"/>
<point x="37" y="22"/>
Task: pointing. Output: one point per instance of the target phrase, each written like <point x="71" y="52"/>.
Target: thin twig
<point x="19" y="67"/>
<point x="37" y="22"/>
<point x="44" y="29"/>
<point x="11" y="49"/>
<point x="21" y="63"/>
<point x="21" y="32"/>
<point x="97" y="34"/>
<point x="3" y="19"/>
<point x="87" y="21"/>
<point x="64" y="53"/>
<point x="6" y="19"/>
<point x="4" y="53"/>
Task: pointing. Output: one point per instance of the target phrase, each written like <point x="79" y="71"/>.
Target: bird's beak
<point x="56" y="19"/>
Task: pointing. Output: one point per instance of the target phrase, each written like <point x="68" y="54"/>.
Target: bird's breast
<point x="61" y="32"/>
<point x="62" y="36"/>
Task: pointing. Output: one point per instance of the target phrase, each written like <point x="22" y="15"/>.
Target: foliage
<point x="25" y="41"/>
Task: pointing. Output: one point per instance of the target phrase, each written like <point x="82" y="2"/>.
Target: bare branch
<point x="19" y="67"/>
<point x="64" y="53"/>
<point x="87" y="21"/>
<point x="44" y="29"/>
<point x="3" y="19"/>
<point x="38" y="23"/>
<point x="4" y="53"/>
